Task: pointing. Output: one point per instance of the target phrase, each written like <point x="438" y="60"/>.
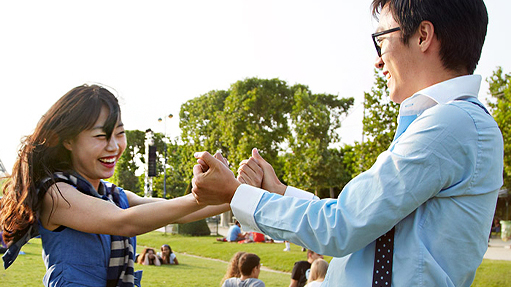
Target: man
<point x="234" y="233"/>
<point x="434" y="190"/>
<point x="298" y="275"/>
<point x="250" y="267"/>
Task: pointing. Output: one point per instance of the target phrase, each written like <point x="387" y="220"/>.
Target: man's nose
<point x="378" y="63"/>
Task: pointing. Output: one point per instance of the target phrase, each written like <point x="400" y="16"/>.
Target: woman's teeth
<point x="107" y="160"/>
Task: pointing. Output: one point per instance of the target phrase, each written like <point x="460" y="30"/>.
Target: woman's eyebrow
<point x="102" y="127"/>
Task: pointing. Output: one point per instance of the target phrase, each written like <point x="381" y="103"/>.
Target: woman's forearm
<point x="157" y="261"/>
<point x="207" y="211"/>
<point x="147" y="217"/>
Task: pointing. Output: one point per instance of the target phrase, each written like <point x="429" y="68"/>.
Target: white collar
<point x="441" y="93"/>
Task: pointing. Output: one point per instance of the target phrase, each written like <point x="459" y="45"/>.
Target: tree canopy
<point x="128" y="164"/>
<point x="379" y="126"/>
<point x="500" y="106"/>
<point x="283" y="122"/>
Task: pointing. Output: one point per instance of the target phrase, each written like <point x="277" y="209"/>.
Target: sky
<point x="157" y="54"/>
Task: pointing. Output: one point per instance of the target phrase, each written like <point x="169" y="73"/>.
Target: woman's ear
<point x="67" y="144"/>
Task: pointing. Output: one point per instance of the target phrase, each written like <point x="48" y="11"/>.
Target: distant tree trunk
<point x="225" y="219"/>
<point x="332" y="192"/>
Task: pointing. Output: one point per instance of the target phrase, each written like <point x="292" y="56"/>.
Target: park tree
<point x="128" y="164"/>
<point x="337" y="173"/>
<point x="314" y="119"/>
<point x="200" y="119"/>
<point x="379" y="124"/>
<point x="132" y="162"/>
<point x="285" y="123"/>
<point x="178" y="176"/>
<point x="500" y="106"/>
<point x="256" y="114"/>
<point x="265" y="114"/>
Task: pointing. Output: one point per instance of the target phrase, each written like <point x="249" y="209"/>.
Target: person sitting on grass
<point x="167" y="256"/>
<point x="250" y="266"/>
<point x="234" y="234"/>
<point x="298" y="275"/>
<point x="233" y="269"/>
<point x="317" y="273"/>
<point x="148" y="257"/>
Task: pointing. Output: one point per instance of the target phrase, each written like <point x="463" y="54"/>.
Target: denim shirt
<point x="437" y="184"/>
<point x="75" y="258"/>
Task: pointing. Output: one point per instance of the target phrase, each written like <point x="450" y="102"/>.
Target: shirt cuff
<point x="298" y="193"/>
<point x="243" y="206"/>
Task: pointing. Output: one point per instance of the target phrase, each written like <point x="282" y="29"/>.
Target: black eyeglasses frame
<point x="378" y="34"/>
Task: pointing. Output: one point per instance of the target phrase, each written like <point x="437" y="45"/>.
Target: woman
<point x="167" y="256"/>
<point x="57" y="189"/>
<point x="233" y="269"/>
<point x="317" y="273"/>
<point x="148" y="257"/>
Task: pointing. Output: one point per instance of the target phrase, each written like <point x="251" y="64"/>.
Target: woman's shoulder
<point x="313" y="284"/>
<point x="230" y="282"/>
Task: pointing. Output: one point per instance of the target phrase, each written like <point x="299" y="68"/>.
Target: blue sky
<point x="159" y="54"/>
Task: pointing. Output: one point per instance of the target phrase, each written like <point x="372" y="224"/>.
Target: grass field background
<point x="203" y="262"/>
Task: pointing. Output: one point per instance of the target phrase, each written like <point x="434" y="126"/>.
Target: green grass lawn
<point x="271" y="254"/>
<point x="28" y="270"/>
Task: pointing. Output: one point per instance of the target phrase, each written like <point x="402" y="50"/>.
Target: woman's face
<point x="93" y="156"/>
<point x="165" y="250"/>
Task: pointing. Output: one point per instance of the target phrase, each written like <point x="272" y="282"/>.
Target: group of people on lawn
<point x="150" y="257"/>
<point x="244" y="268"/>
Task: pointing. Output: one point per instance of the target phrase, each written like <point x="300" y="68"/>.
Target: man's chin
<point x="396" y="97"/>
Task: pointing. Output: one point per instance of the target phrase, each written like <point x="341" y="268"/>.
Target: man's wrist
<point x="234" y="187"/>
<point x="281" y="189"/>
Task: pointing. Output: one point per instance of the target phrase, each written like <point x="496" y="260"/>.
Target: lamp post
<point x="165" y="154"/>
<point x="150" y="163"/>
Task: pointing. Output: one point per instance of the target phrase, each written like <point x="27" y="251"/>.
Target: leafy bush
<point x="196" y="228"/>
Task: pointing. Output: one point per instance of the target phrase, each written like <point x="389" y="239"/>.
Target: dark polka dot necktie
<point x="383" y="253"/>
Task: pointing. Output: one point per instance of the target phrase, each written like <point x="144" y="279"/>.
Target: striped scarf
<point x="121" y="265"/>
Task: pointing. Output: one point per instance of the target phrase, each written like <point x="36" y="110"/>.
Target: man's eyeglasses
<point x="378" y="34"/>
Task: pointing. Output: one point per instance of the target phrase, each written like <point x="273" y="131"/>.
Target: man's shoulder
<point x="460" y="107"/>
<point x="233" y="281"/>
<point x="302" y="264"/>
<point x="253" y="282"/>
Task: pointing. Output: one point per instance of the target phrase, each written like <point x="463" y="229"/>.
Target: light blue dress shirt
<point x="437" y="183"/>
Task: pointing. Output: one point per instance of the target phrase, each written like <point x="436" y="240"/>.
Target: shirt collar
<point x="441" y="93"/>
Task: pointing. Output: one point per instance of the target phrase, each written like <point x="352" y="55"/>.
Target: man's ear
<point x="426" y="33"/>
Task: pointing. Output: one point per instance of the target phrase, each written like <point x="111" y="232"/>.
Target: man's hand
<point x="250" y="172"/>
<point x="213" y="182"/>
<point x="259" y="173"/>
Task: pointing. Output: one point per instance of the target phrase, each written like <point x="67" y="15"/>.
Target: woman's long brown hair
<point x="42" y="153"/>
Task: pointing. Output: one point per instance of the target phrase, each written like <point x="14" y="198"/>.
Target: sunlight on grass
<point x="28" y="270"/>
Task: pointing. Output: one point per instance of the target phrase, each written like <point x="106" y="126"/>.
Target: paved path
<point x="498" y="249"/>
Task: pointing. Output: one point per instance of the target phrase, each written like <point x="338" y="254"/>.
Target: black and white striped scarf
<point x="121" y="265"/>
